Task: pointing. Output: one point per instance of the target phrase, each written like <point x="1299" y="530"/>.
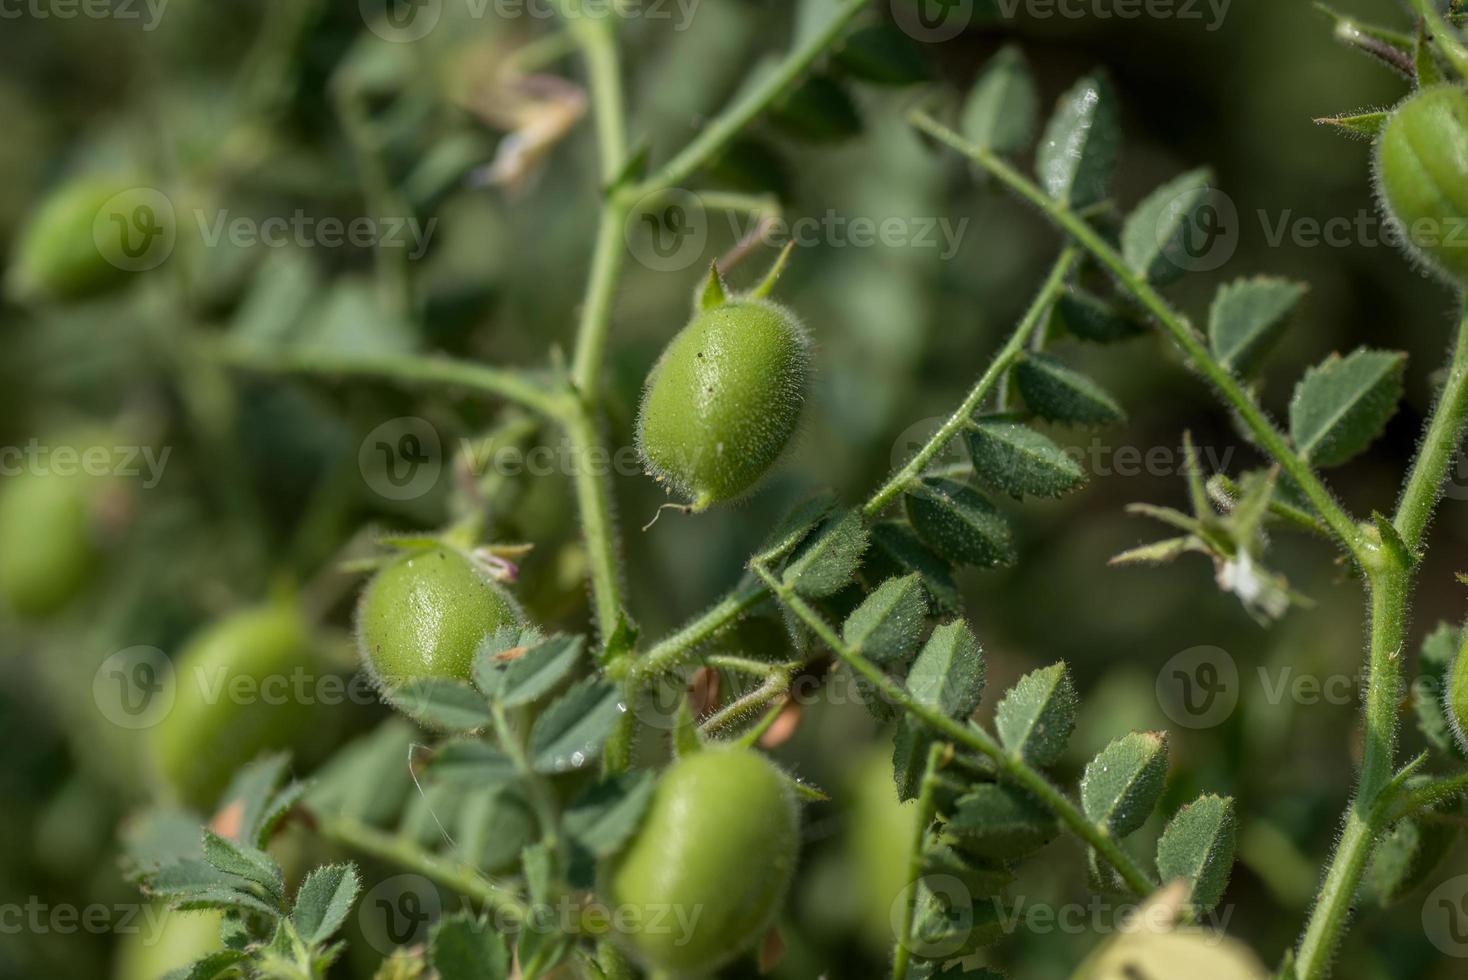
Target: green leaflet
<point x="1001" y="823"/>
<point x="1434" y="663"/>
<point x="324" y="900"/>
<point x="1058" y="393"/>
<point x="1021" y="462"/>
<point x="819" y="110"/>
<point x="570" y="733"/>
<point x="1157" y="239"/>
<point x="1002" y="107"/>
<point x="958" y="523"/>
<point x="604" y="815"/>
<point x="948" y="674"/>
<point x="829" y="559"/>
<point x="883" y="55"/>
<point x="1342" y="404"/>
<point x="1123" y="783"/>
<point x="1037" y="715"/>
<point x="1247" y="318"/>
<point x="1198" y="848"/>
<point x="1092" y="318"/>
<point x="464" y="946"/>
<point x="1081" y="143"/>
<point x="895" y="545"/>
<point x="886" y="626"/>
<point x="444" y="704"/>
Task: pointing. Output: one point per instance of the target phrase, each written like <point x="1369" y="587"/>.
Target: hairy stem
<point x="459" y="877"/>
<point x="997" y="369"/>
<point x="1439" y="447"/>
<point x="903" y="957"/>
<point x="1269" y="438"/>
<point x="515" y="386"/>
<point x="674" y="650"/>
<point x="970" y="736"/>
<point x="598" y="526"/>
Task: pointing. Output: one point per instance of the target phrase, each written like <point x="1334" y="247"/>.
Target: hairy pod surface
<point x="236" y="698"/>
<point x="709" y="866"/>
<point x="724" y="400"/>
<point x="1422" y="176"/>
<point x="424" y="615"/>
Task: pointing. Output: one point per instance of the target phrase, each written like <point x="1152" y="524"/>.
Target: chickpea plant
<point x="529" y="799"/>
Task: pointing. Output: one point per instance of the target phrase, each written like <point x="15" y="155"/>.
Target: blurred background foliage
<point x="264" y="108"/>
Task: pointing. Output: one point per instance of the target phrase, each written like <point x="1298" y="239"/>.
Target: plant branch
<point x="516" y="386"/>
<point x="1269" y="438"/>
<point x="592" y="481"/>
<point x="1434" y="793"/>
<point x="970" y="736"/>
<point x="903" y="956"/>
<point x="462" y="878"/>
<point x="1367" y="816"/>
<point x="1001" y="363"/>
<point x="1439" y="447"/>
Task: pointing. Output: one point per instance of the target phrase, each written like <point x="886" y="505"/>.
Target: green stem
<point x="675" y="650"/>
<point x="607" y="259"/>
<point x="1368" y="812"/>
<point x="592" y="480"/>
<point x="997" y="369"/>
<point x="457" y="876"/>
<point x="718" y="134"/>
<point x="1433" y="794"/>
<point x="1439" y="447"/>
<point x="970" y="736"/>
<point x="1269" y="438"/>
<point x="925" y="802"/>
<point x="514" y="386"/>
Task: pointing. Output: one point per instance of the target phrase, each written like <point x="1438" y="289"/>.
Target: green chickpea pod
<point x="235" y="699"/>
<point x="725" y="398"/>
<point x="709" y="867"/>
<point x="425" y="613"/>
<point x="1422" y="176"/>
